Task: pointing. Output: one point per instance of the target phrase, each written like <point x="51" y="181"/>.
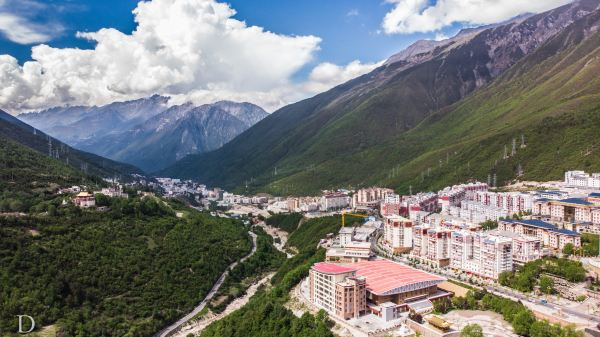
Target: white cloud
<point x="411" y="16"/>
<point x="16" y="27"/>
<point x="439" y="36"/>
<point x="187" y="49"/>
<point x="327" y="75"/>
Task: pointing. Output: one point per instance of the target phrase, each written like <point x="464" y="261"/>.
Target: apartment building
<point x="550" y="235"/>
<point x="525" y="248"/>
<point x="427" y="202"/>
<point x="477" y="212"/>
<point x="398" y="233"/>
<point x="334" y="201"/>
<point x="480" y="254"/>
<point x="511" y="202"/>
<point x="370" y="197"/>
<point x="582" y="179"/>
<point x="431" y="244"/>
<point x="454" y="195"/>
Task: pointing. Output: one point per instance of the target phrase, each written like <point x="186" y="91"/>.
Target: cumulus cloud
<point x="412" y="16"/>
<point x="327" y="75"/>
<point x="188" y="49"/>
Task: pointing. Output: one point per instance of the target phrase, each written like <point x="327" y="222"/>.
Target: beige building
<point x="338" y="290"/>
<point x="550" y="235"/>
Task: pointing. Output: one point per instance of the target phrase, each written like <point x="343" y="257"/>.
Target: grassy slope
<point x="340" y="122"/>
<point x="14" y="129"/>
<point x="552" y="97"/>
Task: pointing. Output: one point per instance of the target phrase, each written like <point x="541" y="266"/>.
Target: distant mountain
<point x="369" y="129"/>
<point x="176" y="132"/>
<point x="80" y="123"/>
<point x="146" y="132"/>
<point x="21" y="133"/>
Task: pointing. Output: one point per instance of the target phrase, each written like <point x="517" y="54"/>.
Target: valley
<point x="299" y="169"/>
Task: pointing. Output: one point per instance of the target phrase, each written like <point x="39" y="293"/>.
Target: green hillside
<point x="14" y="129"/>
<point x="28" y="177"/>
<point x="427" y="126"/>
<point x="126" y="272"/>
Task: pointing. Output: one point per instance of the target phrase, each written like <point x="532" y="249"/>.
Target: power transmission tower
<point x="523" y="141"/>
<point x="514" y="147"/>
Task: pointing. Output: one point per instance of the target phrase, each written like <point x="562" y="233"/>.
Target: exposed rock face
<point x="146" y="132"/>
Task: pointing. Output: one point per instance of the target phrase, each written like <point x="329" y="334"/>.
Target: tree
<point x="546" y="285"/>
<point x="568" y="249"/>
<point x="505" y="278"/>
<point x="442" y="305"/>
<point x="472" y="330"/>
<point x="522" y="321"/>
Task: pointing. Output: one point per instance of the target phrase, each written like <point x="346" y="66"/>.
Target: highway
<point x="171" y="329"/>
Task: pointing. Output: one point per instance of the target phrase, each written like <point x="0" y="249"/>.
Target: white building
<point x="480" y="254"/>
<point x="334" y="201"/>
<point x="370" y="197"/>
<point x="525" y="248"/>
<point x="431" y="244"/>
<point x="582" y="179"/>
<point x="398" y="233"/>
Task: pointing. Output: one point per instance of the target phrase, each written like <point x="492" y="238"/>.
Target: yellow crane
<point x="352" y="214"/>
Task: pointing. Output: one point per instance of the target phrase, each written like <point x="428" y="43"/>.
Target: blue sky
<point x="268" y="52"/>
<point x="350" y="29"/>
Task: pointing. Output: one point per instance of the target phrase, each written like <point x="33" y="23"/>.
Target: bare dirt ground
<point x="196" y="327"/>
<point x="493" y="324"/>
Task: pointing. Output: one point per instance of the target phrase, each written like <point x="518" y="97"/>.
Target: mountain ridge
<point x="371" y="110"/>
<point x="148" y="133"/>
<point x="20" y="132"/>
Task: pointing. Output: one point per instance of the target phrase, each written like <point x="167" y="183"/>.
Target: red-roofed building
<point x="383" y="283"/>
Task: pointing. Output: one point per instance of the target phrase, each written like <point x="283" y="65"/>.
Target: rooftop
<point x="542" y="224"/>
<point x="575" y="201"/>
<point x="332" y="268"/>
<point x="385" y="277"/>
<point x="346" y="230"/>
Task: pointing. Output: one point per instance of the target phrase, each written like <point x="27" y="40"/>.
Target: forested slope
<point x="126" y="272"/>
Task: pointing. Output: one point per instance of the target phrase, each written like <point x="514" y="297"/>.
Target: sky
<point x="268" y="52"/>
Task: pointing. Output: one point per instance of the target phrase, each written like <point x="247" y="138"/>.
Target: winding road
<point x="171" y="329"/>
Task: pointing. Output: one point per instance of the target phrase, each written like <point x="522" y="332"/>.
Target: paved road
<point x="168" y="331"/>
<point x="505" y="293"/>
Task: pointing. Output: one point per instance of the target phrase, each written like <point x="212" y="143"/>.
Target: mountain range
<point x="18" y="134"/>
<point x="147" y="133"/>
<point x="438" y="113"/>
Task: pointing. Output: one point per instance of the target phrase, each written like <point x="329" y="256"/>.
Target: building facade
<point x="398" y="233"/>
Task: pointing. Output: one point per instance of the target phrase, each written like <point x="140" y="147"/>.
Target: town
<point x="411" y="252"/>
